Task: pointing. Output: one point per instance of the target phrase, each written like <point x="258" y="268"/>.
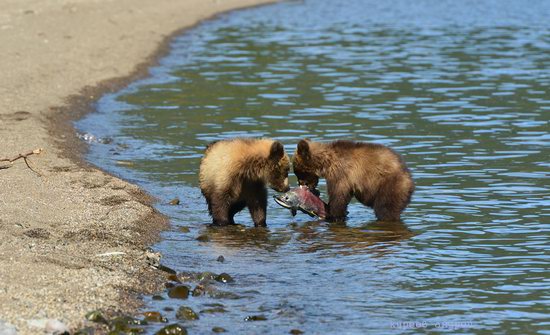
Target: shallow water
<point x="460" y="89"/>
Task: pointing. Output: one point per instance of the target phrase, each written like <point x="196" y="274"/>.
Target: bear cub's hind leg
<point x="392" y="198"/>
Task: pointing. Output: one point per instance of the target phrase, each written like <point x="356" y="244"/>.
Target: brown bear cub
<point x="372" y="173"/>
<point x="234" y="174"/>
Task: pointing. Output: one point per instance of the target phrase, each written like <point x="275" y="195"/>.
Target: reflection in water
<point x="459" y="88"/>
<point x="330" y="239"/>
<point x="320" y="237"/>
<point x="239" y="236"/>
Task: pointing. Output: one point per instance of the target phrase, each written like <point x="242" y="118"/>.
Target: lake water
<point x="459" y="88"/>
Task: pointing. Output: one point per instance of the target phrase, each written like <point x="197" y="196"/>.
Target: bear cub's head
<point x="278" y="167"/>
<point x="303" y="164"/>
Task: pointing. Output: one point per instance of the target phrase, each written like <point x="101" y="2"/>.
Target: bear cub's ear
<point x="303" y="148"/>
<point x="277" y="151"/>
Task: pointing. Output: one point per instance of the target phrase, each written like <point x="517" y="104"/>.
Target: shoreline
<point x="56" y="227"/>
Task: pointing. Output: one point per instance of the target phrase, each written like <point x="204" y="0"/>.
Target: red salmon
<point x="303" y="199"/>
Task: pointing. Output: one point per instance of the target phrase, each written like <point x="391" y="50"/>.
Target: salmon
<point x="303" y="199"/>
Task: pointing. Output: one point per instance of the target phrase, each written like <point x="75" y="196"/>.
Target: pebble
<point x="203" y="238"/>
<point x="199" y="290"/>
<point x="173" y="329"/>
<point x="255" y="318"/>
<point x="173" y="277"/>
<point x="224" y="278"/>
<point x="186" y="313"/>
<point x="179" y="292"/>
<point x="152" y="258"/>
<point x="214" y="310"/>
<point x="207" y="276"/>
<point x="96" y="316"/>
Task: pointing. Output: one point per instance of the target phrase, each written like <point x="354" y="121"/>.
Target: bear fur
<point x="234" y="173"/>
<point x="372" y="173"/>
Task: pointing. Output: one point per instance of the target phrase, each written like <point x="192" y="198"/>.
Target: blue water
<point x="459" y="88"/>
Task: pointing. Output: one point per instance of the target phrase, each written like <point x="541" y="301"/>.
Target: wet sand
<point x="55" y="226"/>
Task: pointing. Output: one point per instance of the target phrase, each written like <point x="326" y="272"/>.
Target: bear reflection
<point x="240" y="236"/>
<point x="374" y="237"/>
<point x="314" y="236"/>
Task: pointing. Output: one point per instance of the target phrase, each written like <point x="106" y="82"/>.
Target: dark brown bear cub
<point x="372" y="173"/>
<point x="234" y="174"/>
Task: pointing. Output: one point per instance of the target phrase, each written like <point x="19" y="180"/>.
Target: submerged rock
<point x="205" y="276"/>
<point x="96" y="316"/>
<point x="255" y="318"/>
<point x="174" y="202"/>
<point x="173" y="329"/>
<point x="186" y="313"/>
<point x="218" y="330"/>
<point x="166" y="269"/>
<point x="154" y="317"/>
<point x="199" y="290"/>
<point x="203" y="238"/>
<point x="214" y="310"/>
<point x="217" y="294"/>
<point x="179" y="292"/>
<point x="174" y="277"/>
<point x="125" y="323"/>
<point x="224" y="278"/>
<point x="158" y="297"/>
<point x="128" y="320"/>
<point x="296" y="332"/>
<point x="185" y="229"/>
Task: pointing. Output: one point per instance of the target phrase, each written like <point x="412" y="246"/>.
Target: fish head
<point x="290" y="199"/>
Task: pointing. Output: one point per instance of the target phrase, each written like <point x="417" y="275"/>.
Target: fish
<point x="303" y="199"/>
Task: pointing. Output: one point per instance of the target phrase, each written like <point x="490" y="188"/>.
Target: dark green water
<point x="459" y="88"/>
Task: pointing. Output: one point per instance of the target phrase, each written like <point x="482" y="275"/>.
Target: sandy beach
<point x="73" y="238"/>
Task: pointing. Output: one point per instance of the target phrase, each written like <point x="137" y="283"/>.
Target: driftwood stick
<point x="23" y="156"/>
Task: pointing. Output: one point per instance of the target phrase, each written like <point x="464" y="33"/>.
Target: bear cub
<point x="234" y="173"/>
<point x="372" y="173"/>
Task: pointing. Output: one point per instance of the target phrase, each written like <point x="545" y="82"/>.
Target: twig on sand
<point x="23" y="156"/>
